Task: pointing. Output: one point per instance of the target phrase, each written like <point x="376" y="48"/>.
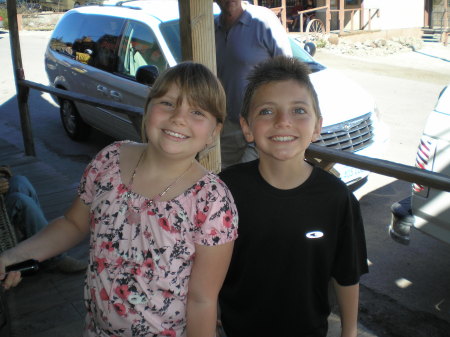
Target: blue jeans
<point x="22" y="205"/>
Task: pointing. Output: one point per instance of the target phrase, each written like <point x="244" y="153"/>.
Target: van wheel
<point x="75" y="127"/>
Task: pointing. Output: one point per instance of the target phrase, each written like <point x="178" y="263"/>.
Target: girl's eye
<point x="299" y="111"/>
<point x="166" y="103"/>
<point x="265" y="112"/>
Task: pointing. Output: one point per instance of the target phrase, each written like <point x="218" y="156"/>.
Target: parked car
<point x="103" y="51"/>
<point x="428" y="209"/>
<point x="65" y="5"/>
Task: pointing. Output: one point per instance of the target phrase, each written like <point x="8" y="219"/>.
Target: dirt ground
<point x="381" y="314"/>
<point x="435" y="68"/>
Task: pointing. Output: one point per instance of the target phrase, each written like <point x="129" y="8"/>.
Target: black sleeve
<point x="351" y="253"/>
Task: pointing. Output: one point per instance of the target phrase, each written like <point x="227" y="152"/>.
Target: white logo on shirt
<point x="314" y="235"/>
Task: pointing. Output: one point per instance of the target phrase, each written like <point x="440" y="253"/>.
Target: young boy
<point x="299" y="226"/>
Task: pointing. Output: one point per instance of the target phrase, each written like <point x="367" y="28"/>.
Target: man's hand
<point x="4" y="185"/>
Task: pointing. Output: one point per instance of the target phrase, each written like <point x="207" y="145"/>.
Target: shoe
<point x="65" y="264"/>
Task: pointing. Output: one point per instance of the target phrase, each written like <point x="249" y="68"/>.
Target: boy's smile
<point x="281" y="121"/>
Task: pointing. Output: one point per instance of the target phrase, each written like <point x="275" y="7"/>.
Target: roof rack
<point x="120" y="3"/>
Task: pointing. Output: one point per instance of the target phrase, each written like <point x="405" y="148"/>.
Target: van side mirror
<point x="147" y="74"/>
<point x="310" y="48"/>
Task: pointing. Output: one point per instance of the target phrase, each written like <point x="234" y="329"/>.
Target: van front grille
<point x="352" y="135"/>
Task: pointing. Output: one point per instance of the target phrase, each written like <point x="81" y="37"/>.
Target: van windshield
<point x="171" y="33"/>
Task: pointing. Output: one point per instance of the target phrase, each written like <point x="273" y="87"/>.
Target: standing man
<point x="245" y="35"/>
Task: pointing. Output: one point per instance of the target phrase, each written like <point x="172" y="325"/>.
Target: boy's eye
<point x="198" y="113"/>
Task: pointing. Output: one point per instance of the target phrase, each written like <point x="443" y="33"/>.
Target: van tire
<point x="74" y="126"/>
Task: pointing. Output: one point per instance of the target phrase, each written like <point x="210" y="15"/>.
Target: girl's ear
<point x="246" y="130"/>
<point x="212" y="138"/>
<point x="317" y="130"/>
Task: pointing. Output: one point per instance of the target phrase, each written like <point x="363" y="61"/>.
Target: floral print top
<point x="141" y="253"/>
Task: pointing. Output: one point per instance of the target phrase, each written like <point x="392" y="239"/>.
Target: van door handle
<point x="115" y="95"/>
<point x="102" y="89"/>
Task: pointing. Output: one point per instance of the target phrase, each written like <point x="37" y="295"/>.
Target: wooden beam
<point x="198" y="44"/>
<point x="283" y="14"/>
<point x="22" y="92"/>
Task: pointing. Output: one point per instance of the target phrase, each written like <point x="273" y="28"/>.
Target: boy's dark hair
<point x="197" y="84"/>
<point x="279" y="68"/>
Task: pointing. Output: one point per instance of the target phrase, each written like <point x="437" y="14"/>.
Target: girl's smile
<point x="175" y="134"/>
<point x="175" y="126"/>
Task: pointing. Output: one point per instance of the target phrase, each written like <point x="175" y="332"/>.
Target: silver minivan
<point x="428" y="209"/>
<point x="96" y="51"/>
<point x="102" y="51"/>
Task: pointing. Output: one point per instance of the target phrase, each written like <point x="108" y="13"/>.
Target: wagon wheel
<point x="315" y="27"/>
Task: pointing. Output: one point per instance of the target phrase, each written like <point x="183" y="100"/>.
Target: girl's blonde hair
<point x="197" y="84"/>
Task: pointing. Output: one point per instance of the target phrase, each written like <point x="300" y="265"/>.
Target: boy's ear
<point x="317" y="130"/>
<point x="246" y="130"/>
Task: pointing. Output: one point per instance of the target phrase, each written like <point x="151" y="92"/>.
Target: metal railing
<point x="379" y="166"/>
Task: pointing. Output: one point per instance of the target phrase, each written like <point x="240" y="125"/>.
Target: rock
<point x="333" y="39"/>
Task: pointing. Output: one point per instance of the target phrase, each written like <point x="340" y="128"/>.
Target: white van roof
<point x="163" y="10"/>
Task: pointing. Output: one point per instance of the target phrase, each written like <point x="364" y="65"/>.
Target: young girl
<point x="161" y="227"/>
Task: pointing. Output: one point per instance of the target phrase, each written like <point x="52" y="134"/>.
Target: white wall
<point x="396" y="14"/>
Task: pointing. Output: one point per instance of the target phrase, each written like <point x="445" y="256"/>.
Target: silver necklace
<point x="157" y="196"/>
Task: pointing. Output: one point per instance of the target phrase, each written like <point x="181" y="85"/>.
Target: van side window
<point x="65" y="34"/>
<point x="98" y="42"/>
<point x="139" y="47"/>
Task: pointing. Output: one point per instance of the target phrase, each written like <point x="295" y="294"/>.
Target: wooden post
<point x="198" y="44"/>
<point x="352" y="15"/>
<point x="341" y="16"/>
<point x="22" y="92"/>
<point x="445" y="18"/>
<point x="283" y="14"/>
<point x="361" y="16"/>
<point x="328" y="16"/>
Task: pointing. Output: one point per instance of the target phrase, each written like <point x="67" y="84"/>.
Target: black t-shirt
<point x="291" y="242"/>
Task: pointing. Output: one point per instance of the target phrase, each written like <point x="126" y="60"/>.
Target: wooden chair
<point x="7" y="240"/>
<point x="7" y="233"/>
<point x="277" y="11"/>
